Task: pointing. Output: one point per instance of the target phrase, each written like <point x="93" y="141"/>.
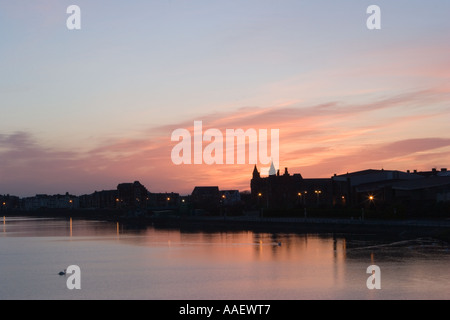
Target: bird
<point x="62" y="273"/>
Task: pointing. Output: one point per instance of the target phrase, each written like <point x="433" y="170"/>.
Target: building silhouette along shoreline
<point x="408" y="192"/>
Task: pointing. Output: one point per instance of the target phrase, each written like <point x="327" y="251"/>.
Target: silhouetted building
<point x="132" y="195"/>
<point x="206" y="198"/>
<point x="434" y="172"/>
<point x="8" y="202"/>
<point x="230" y="197"/>
<point x="362" y="188"/>
<point x="106" y="199"/>
<point x="43" y="201"/>
<point x="163" y="200"/>
<point x="288" y="191"/>
<point x="422" y="193"/>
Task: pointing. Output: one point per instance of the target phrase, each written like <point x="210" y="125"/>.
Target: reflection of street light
<point x="260" y="194"/>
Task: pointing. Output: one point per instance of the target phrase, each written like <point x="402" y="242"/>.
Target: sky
<point x="84" y="110"/>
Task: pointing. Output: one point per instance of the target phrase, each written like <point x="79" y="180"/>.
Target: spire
<point x="256" y="173"/>
<point x="272" y="171"/>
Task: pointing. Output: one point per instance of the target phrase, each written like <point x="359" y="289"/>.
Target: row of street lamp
<point x="318" y="193"/>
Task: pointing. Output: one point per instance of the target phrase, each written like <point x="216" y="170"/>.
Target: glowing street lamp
<point x="371" y="198"/>
<point x="318" y="192"/>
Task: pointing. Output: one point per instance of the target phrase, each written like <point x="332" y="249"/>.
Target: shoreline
<point x="403" y="229"/>
<point x="407" y="228"/>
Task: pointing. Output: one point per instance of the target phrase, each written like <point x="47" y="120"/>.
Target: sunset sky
<point x="84" y="110"/>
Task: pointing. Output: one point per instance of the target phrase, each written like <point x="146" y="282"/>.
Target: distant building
<point x="132" y="195"/>
<point x="422" y="193"/>
<point x="230" y="197"/>
<point x="8" y="203"/>
<point x="363" y="187"/>
<point x="206" y="198"/>
<point x="367" y="188"/>
<point x="43" y="201"/>
<point x="434" y="172"/>
<point x="129" y="195"/>
<point x="289" y="191"/>
<point x="163" y="200"/>
<point x="106" y="199"/>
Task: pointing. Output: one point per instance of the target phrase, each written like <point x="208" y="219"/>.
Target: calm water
<point x="121" y="263"/>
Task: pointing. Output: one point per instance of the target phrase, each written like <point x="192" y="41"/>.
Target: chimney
<point x="286" y="172"/>
<point x="415" y="171"/>
<point x="444" y="170"/>
<point x="407" y="171"/>
<point x="433" y="170"/>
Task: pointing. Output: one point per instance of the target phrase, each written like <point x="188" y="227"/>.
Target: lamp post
<point x="260" y="206"/>
<point x="222" y="207"/>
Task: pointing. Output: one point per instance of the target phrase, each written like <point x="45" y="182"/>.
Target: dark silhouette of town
<point x="373" y="193"/>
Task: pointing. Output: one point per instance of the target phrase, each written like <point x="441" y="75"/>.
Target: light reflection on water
<point x="118" y="262"/>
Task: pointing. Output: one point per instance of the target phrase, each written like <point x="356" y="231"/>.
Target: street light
<point x="318" y="192"/>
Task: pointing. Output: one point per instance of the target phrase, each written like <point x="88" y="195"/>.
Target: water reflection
<point x="227" y="264"/>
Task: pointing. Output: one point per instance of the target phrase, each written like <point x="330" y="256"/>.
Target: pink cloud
<point x="316" y="141"/>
